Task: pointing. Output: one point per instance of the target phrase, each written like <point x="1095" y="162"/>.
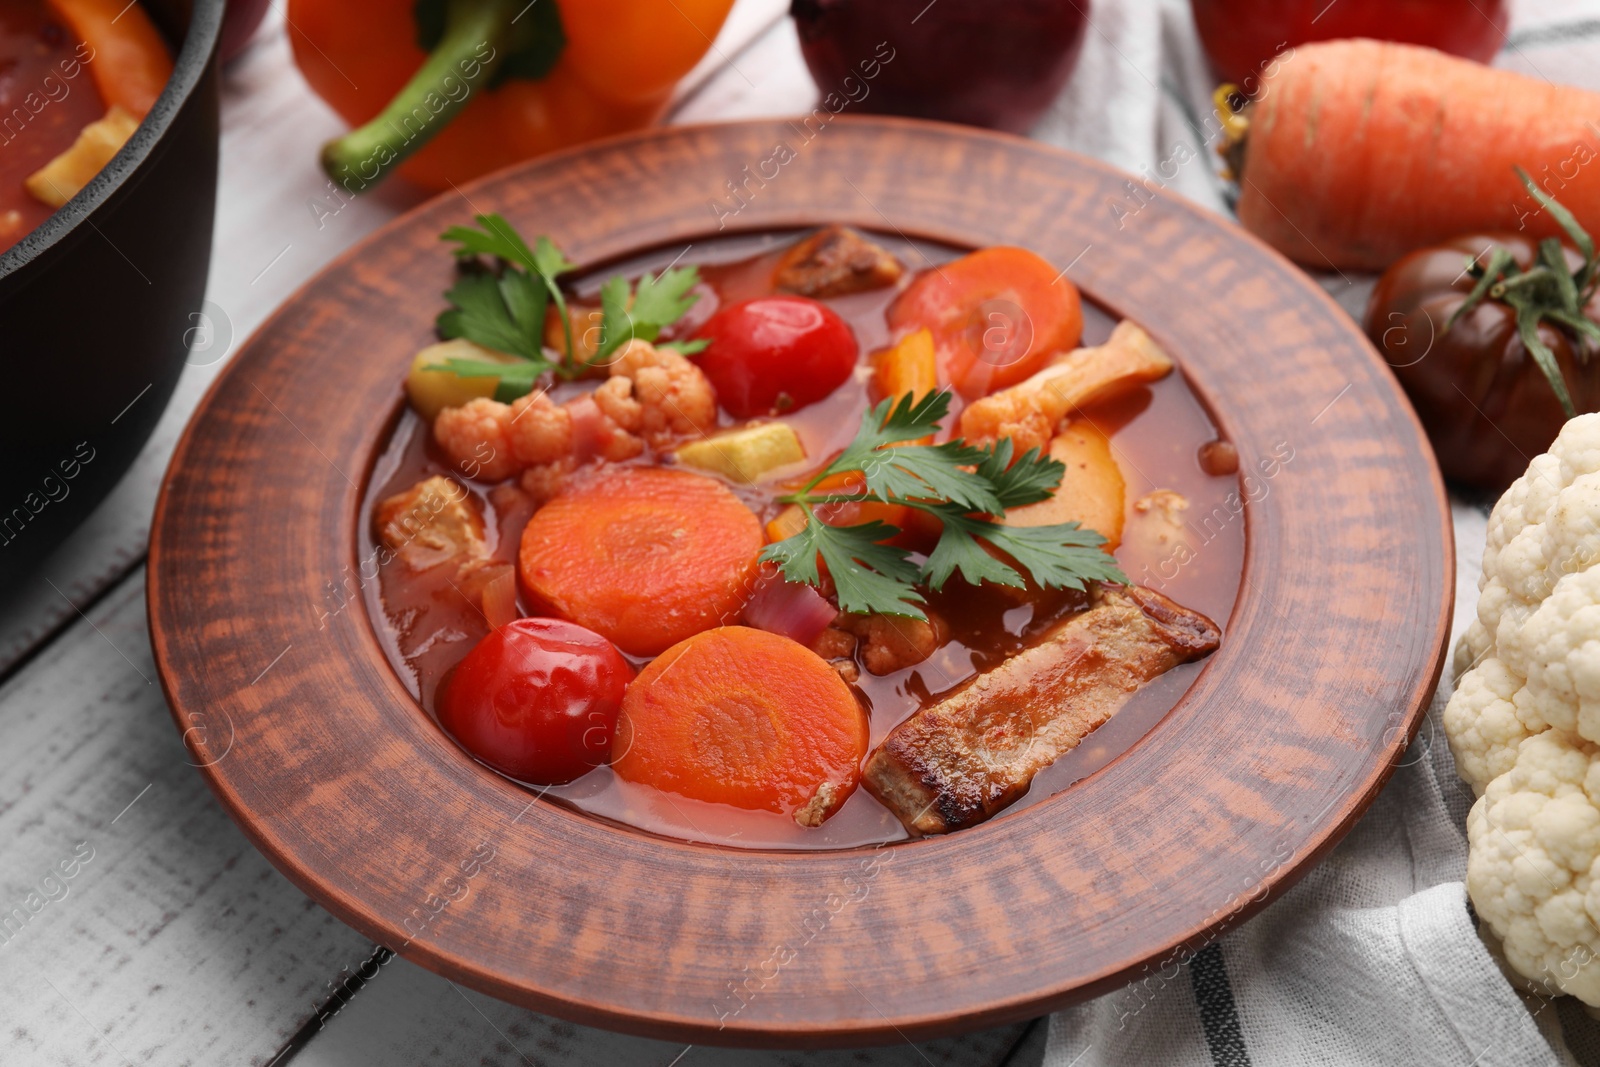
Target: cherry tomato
<point x="537" y="700"/>
<point x="997" y="315"/>
<point x="1242" y="36"/>
<point x="776" y="354"/>
<point x="1485" y="404"/>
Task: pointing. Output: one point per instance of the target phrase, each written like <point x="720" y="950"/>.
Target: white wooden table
<point x="175" y="942"/>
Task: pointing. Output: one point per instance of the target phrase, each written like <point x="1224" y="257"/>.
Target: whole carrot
<point x="1360" y="151"/>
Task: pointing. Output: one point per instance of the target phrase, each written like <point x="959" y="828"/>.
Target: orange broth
<point x="47" y="97"/>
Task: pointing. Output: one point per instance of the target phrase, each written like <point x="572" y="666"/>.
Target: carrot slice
<point x="129" y="59"/>
<point x="996" y="315"/>
<point x="644" y="557"/>
<point x="744" y="717"/>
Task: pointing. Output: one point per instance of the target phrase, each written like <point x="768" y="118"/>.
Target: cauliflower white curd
<point x="1524" y="721"/>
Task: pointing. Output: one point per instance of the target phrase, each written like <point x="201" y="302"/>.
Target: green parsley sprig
<point x="964" y="487"/>
<point x="505" y="310"/>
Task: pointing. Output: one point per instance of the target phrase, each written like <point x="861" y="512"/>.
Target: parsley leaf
<point x="527" y="271"/>
<point x="1058" y="557"/>
<point x="505" y="313"/>
<point x="867" y="574"/>
<point x="642" y="312"/>
<point x="687" y="348"/>
<point x="923" y="471"/>
<point x="960" y="485"/>
<point x="1027" y="481"/>
<point x="498" y="238"/>
<point x="662" y="299"/>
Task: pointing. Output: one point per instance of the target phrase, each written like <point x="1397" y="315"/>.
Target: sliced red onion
<point x="500" y="599"/>
<point x="789" y="609"/>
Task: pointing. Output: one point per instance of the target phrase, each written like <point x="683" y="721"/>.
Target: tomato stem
<point x="1545" y="291"/>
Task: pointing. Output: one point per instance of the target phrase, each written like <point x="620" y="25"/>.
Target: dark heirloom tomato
<point x="1240" y="36"/>
<point x="1487" y="407"/>
<point x="776" y="354"/>
<point x="537" y="699"/>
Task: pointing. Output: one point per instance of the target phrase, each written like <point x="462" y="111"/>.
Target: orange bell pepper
<point x="505" y="79"/>
<point x="127" y="57"/>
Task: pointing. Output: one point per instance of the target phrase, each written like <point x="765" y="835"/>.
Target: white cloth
<point x="1374" y="958"/>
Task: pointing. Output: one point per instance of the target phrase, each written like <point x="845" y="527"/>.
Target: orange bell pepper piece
<point x="911" y="366"/>
<point x="505" y="80"/>
<point x="128" y="58"/>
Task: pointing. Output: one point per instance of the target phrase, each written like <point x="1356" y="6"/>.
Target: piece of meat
<point x="834" y="261"/>
<point x="963" y="759"/>
<point x="839" y="649"/>
<point x="1030" y="411"/>
<point x="889" y="643"/>
<point x="433" y="522"/>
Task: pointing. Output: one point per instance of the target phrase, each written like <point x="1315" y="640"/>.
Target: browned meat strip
<point x="834" y="261"/>
<point x="958" y="762"/>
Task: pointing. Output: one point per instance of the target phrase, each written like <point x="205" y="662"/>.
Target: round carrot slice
<point x="642" y="556"/>
<point x="996" y="315"/>
<point x="744" y="717"/>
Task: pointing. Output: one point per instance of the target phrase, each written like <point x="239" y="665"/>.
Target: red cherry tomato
<point x="1242" y="36"/>
<point x="776" y="354"/>
<point x="537" y="699"/>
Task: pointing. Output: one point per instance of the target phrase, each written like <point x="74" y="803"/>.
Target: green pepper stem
<point x="477" y="39"/>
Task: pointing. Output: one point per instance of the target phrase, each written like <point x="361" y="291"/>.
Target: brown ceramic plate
<point x="319" y="752"/>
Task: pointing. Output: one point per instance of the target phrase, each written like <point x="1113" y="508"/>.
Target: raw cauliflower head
<point x="1524" y="721"/>
<point x="1526" y="662"/>
<point x="1533" y="870"/>
<point x="1558" y="650"/>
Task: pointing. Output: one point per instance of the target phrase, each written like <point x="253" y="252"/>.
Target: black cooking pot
<point x="97" y="305"/>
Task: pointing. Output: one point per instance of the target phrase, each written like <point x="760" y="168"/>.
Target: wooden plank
<point x="172" y="940"/>
<point x="408" y="1015"/>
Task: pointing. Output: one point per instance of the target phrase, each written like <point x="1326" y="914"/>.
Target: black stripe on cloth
<point x="1559" y="33"/>
<point x="1218" y="1016"/>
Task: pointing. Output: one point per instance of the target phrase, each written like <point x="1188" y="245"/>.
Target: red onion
<point x="789" y="609"/>
<point x="500" y="599"/>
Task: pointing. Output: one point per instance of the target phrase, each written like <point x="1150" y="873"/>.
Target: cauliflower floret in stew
<point x="653" y="397"/>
